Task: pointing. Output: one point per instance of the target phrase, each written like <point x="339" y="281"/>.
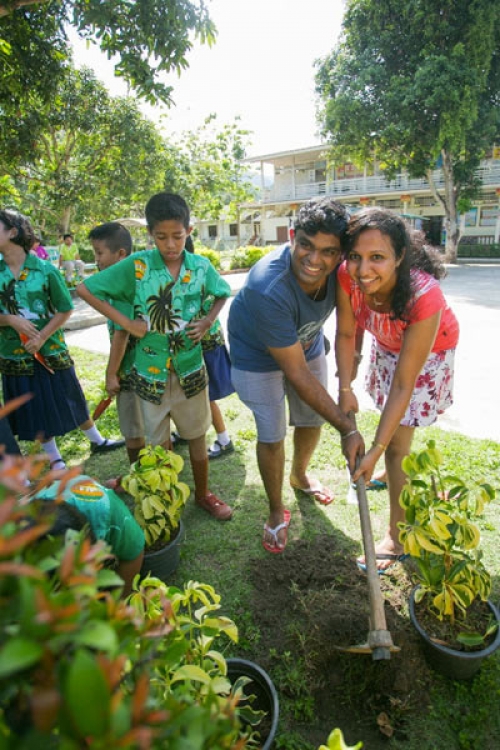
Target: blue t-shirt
<point x="272" y="310"/>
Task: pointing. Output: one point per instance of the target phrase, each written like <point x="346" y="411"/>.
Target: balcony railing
<point x="377" y="185"/>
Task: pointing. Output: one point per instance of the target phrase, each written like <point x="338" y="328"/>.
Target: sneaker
<point x="108" y="445"/>
<point x="176" y="439"/>
<point x="58" y="465"/>
<point x="215" y="506"/>
<point x="217" y="450"/>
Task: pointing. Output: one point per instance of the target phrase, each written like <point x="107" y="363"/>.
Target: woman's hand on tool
<point x="366" y="465"/>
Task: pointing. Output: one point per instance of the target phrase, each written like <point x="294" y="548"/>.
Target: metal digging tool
<point x="379" y="643"/>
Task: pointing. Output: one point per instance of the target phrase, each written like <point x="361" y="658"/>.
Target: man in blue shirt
<point x="277" y="350"/>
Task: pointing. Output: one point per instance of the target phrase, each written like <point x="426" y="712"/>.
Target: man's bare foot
<point x="276" y="531"/>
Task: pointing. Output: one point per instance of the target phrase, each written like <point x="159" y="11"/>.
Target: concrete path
<point x="473" y="291"/>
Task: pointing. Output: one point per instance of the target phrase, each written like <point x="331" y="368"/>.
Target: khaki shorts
<point x="128" y="405"/>
<point x="191" y="415"/>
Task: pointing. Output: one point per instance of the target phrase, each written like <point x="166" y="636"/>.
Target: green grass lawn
<point x="461" y="717"/>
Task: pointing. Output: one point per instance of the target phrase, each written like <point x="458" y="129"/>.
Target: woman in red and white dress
<point x="389" y="286"/>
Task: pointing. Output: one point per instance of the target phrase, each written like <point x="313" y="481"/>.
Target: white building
<point x="305" y="173"/>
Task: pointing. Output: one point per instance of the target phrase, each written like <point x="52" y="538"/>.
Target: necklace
<point x="376" y="302"/>
<point x="317" y="292"/>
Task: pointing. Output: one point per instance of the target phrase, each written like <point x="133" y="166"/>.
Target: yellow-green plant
<point x="159" y="497"/>
<point x="441" y="536"/>
<point x="246" y="257"/>
<point x="336" y="742"/>
<point x="212" y="255"/>
<point x="194" y="669"/>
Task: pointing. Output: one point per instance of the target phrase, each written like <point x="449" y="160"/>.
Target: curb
<point x="84" y="316"/>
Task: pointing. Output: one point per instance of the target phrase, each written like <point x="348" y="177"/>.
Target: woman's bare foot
<point x="387" y="552"/>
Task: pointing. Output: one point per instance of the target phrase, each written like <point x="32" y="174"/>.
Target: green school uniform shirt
<point x="38" y="293"/>
<point x="108" y="516"/>
<point x="213" y="338"/>
<point x="128" y="357"/>
<point x="144" y="281"/>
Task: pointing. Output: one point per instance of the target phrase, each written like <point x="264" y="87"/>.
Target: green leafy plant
<point x="246" y="257"/>
<point x="336" y="742"/>
<point x="159" y="497"/>
<point x="212" y="255"/>
<point x="193" y="669"/>
<point x="80" y="668"/>
<point x="440" y="534"/>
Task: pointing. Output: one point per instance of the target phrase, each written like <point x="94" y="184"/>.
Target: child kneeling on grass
<point x="108" y="518"/>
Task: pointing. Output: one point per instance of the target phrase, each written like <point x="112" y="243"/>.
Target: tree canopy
<point x="95" y="157"/>
<point x="205" y="166"/>
<point x="149" y="38"/>
<point x="416" y="85"/>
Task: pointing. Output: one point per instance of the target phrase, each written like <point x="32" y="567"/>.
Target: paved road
<point x="473" y="292"/>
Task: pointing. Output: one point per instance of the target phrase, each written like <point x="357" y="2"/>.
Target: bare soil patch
<point x="312" y="599"/>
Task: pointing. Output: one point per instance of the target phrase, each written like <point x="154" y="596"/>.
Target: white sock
<point x="52" y="451"/>
<point x="94" y="435"/>
<point x="223" y="438"/>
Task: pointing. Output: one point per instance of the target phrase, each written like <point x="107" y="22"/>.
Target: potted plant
<point x="195" y="671"/>
<point x="450" y="607"/>
<point x="158" y="501"/>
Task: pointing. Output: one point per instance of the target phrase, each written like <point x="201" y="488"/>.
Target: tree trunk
<point x="65" y="219"/>
<point x="449" y="204"/>
<point x="238" y="229"/>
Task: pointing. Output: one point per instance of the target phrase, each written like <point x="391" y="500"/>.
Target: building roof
<point x="283" y="157"/>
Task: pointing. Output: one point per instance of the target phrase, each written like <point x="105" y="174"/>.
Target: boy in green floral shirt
<point x="174" y="298"/>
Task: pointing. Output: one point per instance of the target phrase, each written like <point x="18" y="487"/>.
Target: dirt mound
<point x="311" y="600"/>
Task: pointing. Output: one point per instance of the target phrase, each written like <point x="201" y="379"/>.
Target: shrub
<point x="86" y="253"/>
<point x="212" y="255"/>
<point x="246" y="257"/>
<point x="477" y="250"/>
<point x="82" y="668"/>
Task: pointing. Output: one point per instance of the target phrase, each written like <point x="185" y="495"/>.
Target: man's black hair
<point x="323" y="215"/>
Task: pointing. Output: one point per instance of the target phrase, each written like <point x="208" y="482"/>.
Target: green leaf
<point x="470" y="639"/>
<point x="98" y="635"/>
<point x="336" y="742"/>
<point x="107" y="578"/>
<point x="191" y="672"/>
<point x="87" y="696"/>
<point x="18" y="654"/>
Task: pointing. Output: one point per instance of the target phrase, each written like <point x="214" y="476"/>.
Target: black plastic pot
<point x="458" y="665"/>
<point x="163" y="562"/>
<point x="266" y="697"/>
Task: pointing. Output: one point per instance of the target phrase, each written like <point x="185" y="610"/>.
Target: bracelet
<point x="345" y="390"/>
<point x="379" y="445"/>
<point x="147" y="320"/>
<point x="348" y="434"/>
<point x="358" y="356"/>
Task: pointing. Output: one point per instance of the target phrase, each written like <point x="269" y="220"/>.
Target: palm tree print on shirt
<point x="163" y="319"/>
<point x="8" y="298"/>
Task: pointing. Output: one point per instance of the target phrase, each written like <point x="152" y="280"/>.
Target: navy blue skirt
<point x="57" y="407"/>
<point x="218" y="367"/>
